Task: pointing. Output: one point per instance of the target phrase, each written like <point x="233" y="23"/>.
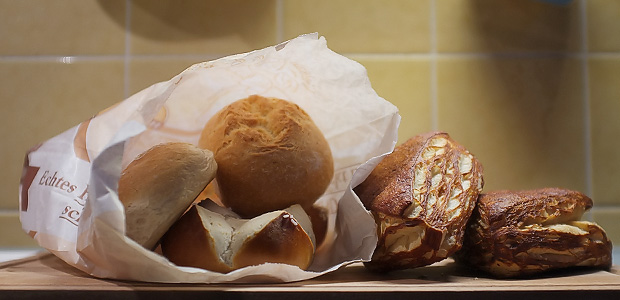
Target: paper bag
<point x="68" y="192"/>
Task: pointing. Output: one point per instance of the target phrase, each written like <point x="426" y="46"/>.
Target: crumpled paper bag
<point x="68" y="192"/>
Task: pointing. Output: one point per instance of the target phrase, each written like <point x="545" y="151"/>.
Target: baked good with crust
<point x="270" y="155"/>
<point x="319" y="217"/>
<point x="213" y="238"/>
<point x="520" y="233"/>
<point x="159" y="185"/>
<point x="421" y="196"/>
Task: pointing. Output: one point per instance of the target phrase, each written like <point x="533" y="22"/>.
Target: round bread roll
<point x="210" y="238"/>
<point x="270" y="155"/>
<point x="159" y="185"/>
<point x="319" y="217"/>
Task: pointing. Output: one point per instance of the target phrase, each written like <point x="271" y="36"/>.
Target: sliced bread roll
<point x="210" y="238"/>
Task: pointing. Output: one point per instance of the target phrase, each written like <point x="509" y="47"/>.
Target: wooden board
<point x="46" y="276"/>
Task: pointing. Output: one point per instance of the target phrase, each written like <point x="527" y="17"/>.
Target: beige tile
<point x="603" y="25"/>
<point x="364" y="26"/>
<point x="604" y="76"/>
<point x="406" y="83"/>
<point x="13" y="236"/>
<point x="198" y="27"/>
<point x="506" y="26"/>
<point x="608" y="219"/>
<point x="523" y="118"/>
<point x="42" y="99"/>
<point x="63" y="27"/>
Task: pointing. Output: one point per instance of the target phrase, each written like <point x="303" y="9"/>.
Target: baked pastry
<point x="159" y="185"/>
<point x="519" y="233"/>
<point x="319" y="217"/>
<point x="270" y="155"/>
<point x="421" y="196"/>
<point x="213" y="238"/>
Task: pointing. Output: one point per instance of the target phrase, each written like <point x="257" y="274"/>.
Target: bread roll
<point x="207" y="237"/>
<point x="519" y="233"/>
<point x="159" y="185"/>
<point x="270" y="155"/>
<point x="319" y="217"/>
<point x="421" y="196"/>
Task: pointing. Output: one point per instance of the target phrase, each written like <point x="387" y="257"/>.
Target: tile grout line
<point x="126" y="56"/>
<point x="586" y="99"/>
<point x="9" y="212"/>
<point x="68" y="59"/>
<point x="433" y="67"/>
<point x="585" y="77"/>
<point x="279" y="21"/>
<point x="428" y="55"/>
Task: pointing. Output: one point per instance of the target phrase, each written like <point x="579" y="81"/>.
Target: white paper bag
<point x="68" y="192"/>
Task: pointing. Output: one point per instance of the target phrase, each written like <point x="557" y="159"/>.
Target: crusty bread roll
<point x="213" y="239"/>
<point x="319" y="217"/>
<point x="421" y="195"/>
<point x="270" y="155"/>
<point x="159" y="185"/>
<point x="519" y="233"/>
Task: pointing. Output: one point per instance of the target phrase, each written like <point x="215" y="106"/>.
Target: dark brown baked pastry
<point x="518" y="233"/>
<point x="421" y="195"/>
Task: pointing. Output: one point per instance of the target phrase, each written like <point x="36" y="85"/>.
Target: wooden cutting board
<point x="47" y="277"/>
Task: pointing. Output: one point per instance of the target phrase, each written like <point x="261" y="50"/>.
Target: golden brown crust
<point x="281" y="241"/>
<point x="387" y="189"/>
<point x="542" y="206"/>
<point x="215" y="239"/>
<point x="200" y="253"/>
<point x="159" y="185"/>
<point x="519" y="233"/>
<point x="270" y="155"/>
<point x="421" y="196"/>
<point x="319" y="219"/>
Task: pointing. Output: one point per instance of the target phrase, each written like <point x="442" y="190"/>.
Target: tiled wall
<point x="531" y="88"/>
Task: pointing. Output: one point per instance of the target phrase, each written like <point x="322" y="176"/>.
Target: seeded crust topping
<point x="421" y="195"/>
<point x="520" y="233"/>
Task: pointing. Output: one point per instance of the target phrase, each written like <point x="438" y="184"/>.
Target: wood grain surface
<point x="45" y="276"/>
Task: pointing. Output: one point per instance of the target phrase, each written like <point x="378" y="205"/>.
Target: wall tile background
<point x="530" y="88"/>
